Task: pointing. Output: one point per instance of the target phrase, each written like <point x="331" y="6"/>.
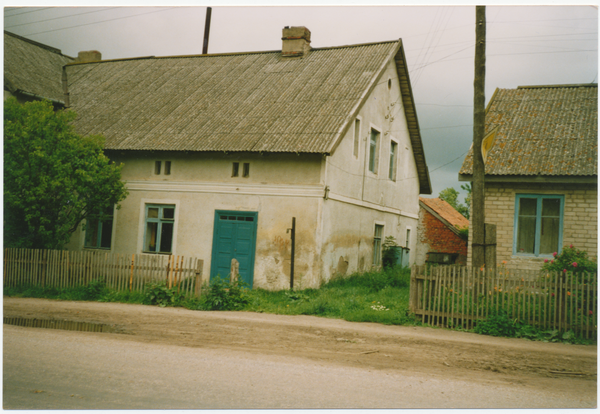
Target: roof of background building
<point x="549" y="130"/>
<point x="446" y="212"/>
<point x="243" y="102"/>
<point x="33" y="68"/>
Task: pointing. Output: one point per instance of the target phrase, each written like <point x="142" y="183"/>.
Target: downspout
<point x="65" y="87"/>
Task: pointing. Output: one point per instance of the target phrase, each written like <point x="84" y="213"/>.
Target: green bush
<point x="389" y="256"/>
<point x="221" y="295"/>
<point x="498" y="324"/>
<point x="571" y="259"/>
<point x="161" y="295"/>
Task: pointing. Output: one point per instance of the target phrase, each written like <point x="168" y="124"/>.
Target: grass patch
<point x="377" y="296"/>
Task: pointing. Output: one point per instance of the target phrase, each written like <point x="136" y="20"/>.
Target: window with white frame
<point x="393" y="160"/>
<point x="377" y="244"/>
<point x="538" y="224"/>
<point x="356" y="137"/>
<point x="98" y="230"/>
<point x="160" y="225"/>
<point x="374" y="150"/>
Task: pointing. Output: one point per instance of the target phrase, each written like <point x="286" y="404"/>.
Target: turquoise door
<point x="234" y="238"/>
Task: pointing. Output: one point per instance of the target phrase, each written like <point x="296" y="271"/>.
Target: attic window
<point x="389" y="84"/>
<point x="158" y="167"/>
<point x="246" y="172"/>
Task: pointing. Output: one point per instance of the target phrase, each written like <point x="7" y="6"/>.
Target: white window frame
<point x="377" y="255"/>
<point x="356" y="136"/>
<point x="376" y="162"/>
<point x="393" y="167"/>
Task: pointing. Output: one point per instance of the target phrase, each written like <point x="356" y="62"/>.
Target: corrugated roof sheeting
<point x="238" y="102"/>
<point x="33" y="68"/>
<point x="542" y="131"/>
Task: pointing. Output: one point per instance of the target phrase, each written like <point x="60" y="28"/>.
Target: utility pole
<point x="206" y="30"/>
<point x="478" y="192"/>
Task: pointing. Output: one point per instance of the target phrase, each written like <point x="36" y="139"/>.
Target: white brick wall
<point x="580" y="221"/>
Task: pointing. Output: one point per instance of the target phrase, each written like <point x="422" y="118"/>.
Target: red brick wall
<point x="441" y="239"/>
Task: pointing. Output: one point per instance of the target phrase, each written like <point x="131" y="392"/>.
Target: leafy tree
<point x="450" y="195"/>
<point x="468" y="189"/>
<point x="53" y="177"/>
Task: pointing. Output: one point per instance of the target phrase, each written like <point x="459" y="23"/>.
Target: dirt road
<point x="559" y="375"/>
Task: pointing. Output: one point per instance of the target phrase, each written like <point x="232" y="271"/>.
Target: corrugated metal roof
<point x="547" y="130"/>
<point x="234" y="102"/>
<point x="446" y="211"/>
<point x="33" y="68"/>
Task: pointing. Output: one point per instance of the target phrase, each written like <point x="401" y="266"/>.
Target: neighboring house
<point x="439" y="238"/>
<point x="221" y="151"/>
<point x="33" y="71"/>
<point x="541" y="172"/>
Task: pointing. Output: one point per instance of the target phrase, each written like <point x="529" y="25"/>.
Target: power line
<point x="62" y="17"/>
<point x="31" y="11"/>
<point x="102" y="21"/>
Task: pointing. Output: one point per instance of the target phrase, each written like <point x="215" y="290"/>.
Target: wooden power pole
<point x="478" y="210"/>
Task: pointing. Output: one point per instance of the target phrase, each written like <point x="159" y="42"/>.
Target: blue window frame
<point x="538" y="224"/>
<point x="160" y="225"/>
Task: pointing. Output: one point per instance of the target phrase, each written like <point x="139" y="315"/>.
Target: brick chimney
<point x="88" y="56"/>
<point x="296" y="41"/>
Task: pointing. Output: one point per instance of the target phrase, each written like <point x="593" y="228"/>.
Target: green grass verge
<point x="377" y="296"/>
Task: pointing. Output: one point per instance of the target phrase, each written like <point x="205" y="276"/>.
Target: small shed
<point x="439" y="236"/>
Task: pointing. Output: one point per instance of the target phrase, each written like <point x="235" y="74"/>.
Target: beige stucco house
<point x="541" y="172"/>
<point x="221" y="151"/>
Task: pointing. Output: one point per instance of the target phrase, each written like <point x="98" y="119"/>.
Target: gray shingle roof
<point x="250" y="102"/>
<point x="542" y="130"/>
<point x="33" y="68"/>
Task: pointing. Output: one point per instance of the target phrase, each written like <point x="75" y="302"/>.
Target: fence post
<point x="412" y="296"/>
<point x="199" y="268"/>
<point x="131" y="274"/>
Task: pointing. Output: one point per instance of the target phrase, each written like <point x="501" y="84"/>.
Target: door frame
<point x="215" y="239"/>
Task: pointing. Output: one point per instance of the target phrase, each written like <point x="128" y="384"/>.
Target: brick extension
<point x="439" y="224"/>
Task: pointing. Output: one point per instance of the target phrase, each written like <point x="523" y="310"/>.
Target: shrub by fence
<point x="451" y="296"/>
<point x="61" y="269"/>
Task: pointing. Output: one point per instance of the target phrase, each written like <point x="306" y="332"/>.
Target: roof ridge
<point x="208" y="55"/>
<point x="574" y="85"/>
<point x="33" y="42"/>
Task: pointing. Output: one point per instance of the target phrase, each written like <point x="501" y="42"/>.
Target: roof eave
<point x="535" y="179"/>
<point x="410" y="111"/>
<point x="435" y="214"/>
<point x="354" y="112"/>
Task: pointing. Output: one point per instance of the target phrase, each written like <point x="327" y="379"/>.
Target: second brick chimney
<point x="88" y="56"/>
<point x="296" y="41"/>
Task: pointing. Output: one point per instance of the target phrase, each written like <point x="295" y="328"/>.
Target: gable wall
<point x="580" y="222"/>
<point x="358" y="199"/>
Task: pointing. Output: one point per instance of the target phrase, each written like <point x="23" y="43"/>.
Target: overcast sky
<point x="526" y="45"/>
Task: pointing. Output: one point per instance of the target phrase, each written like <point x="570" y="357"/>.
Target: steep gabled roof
<point x="542" y="130"/>
<point x="33" y="68"/>
<point x="250" y="102"/>
<point x="445" y="213"/>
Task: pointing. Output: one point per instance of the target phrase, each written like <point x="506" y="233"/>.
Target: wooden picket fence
<point x="62" y="269"/>
<point x="457" y="296"/>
